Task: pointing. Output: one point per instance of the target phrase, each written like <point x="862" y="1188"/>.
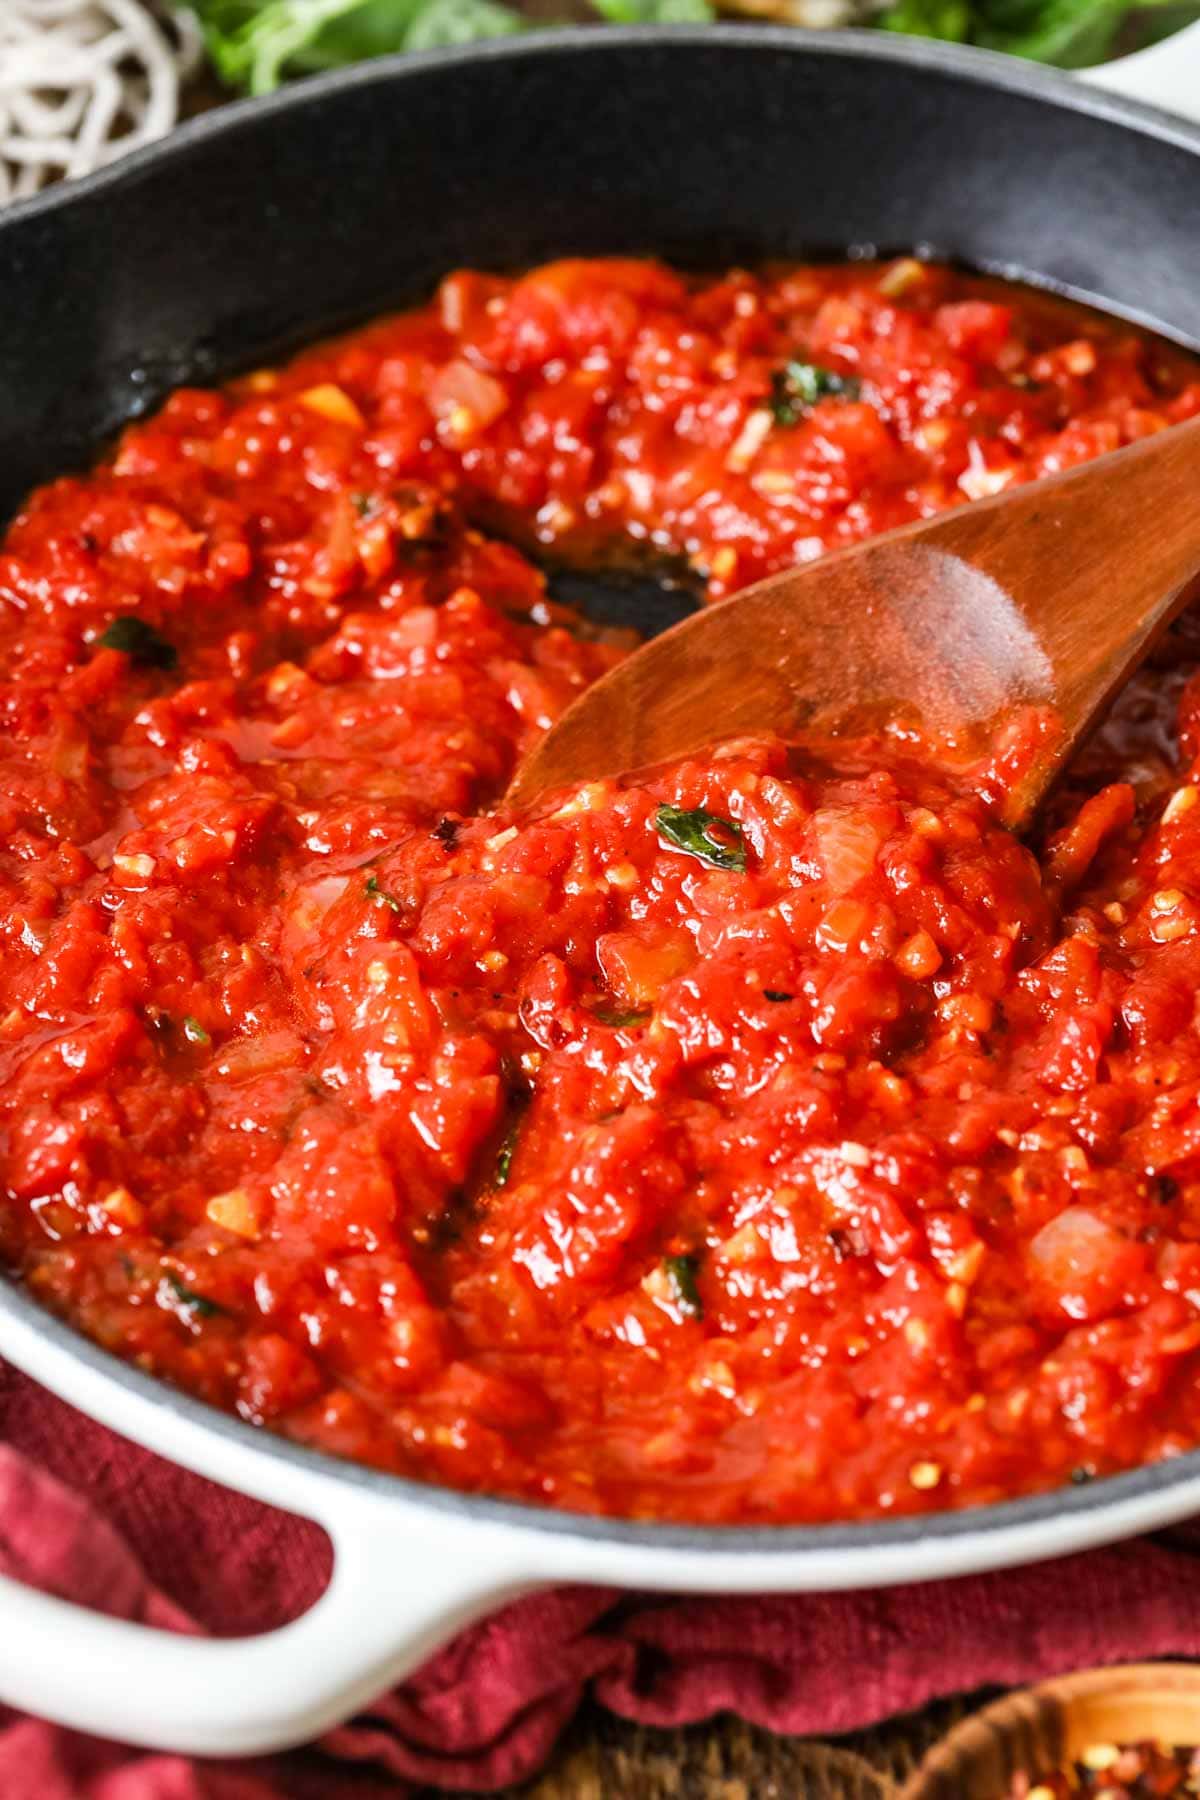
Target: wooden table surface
<point x="603" y="1758"/>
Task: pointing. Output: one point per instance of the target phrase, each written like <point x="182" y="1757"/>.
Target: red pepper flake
<point x="1141" y="1771"/>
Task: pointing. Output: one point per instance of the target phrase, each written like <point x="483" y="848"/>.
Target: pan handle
<point x="1167" y="75"/>
<point x="403" y="1583"/>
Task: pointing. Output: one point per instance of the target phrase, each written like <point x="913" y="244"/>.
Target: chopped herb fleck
<point x="139" y="642"/>
<point x="637" y="1016"/>
<point x="375" y="892"/>
<point x="508" y="1144"/>
<point x="681" y="1272"/>
<point x="776" y="994"/>
<point x="799" y="385"/>
<point x="363" y="504"/>
<point x="446" y="831"/>
<point x="203" y="1309"/>
<point x="194" y="1032"/>
<point x="1080" y="1476"/>
<point x="698" y="833"/>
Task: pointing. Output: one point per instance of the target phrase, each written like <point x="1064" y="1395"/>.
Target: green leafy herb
<point x="948" y="19"/>
<point x="256" y="44"/>
<point x="637" y="1016"/>
<point x="139" y="642"/>
<point x="203" y="1309"/>
<point x="194" y="1031"/>
<point x="714" y="840"/>
<point x="375" y="892"/>
<point x="799" y="385"/>
<point x="681" y="1273"/>
<point x="502" y="1168"/>
<point x="505" y="1154"/>
<point x="1069" y="33"/>
<point x="776" y="994"/>
<point x="363" y="504"/>
<point x="655" y="12"/>
<point x="439" y="23"/>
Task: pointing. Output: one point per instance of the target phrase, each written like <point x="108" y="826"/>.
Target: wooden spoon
<point x="1044" y="597"/>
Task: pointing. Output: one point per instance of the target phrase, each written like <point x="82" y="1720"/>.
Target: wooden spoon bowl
<point x="1039" y="601"/>
<point x="1036" y="1730"/>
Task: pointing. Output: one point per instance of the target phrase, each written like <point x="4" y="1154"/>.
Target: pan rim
<point x="998" y="1523"/>
<point x="983" y="68"/>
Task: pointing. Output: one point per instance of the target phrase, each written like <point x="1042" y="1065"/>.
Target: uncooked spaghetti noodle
<point x="82" y="81"/>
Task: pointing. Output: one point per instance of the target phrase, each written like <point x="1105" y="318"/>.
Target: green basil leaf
<point x="203" y="1309"/>
<point x="637" y="1016"/>
<point x="256" y="44"/>
<point x="442" y="22"/>
<point x="655" y="12"/>
<point x="504" y="1158"/>
<point x="681" y="1273"/>
<point x="194" y="1031"/>
<point x="698" y="833"/>
<point x="799" y="385"/>
<point x="139" y="642"/>
<point x="948" y="19"/>
<point x="1071" y="34"/>
<point x="375" y="892"/>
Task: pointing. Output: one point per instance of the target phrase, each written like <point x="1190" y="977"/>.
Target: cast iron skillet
<point x="274" y="220"/>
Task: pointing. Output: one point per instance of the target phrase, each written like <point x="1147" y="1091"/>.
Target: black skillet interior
<point x="267" y="223"/>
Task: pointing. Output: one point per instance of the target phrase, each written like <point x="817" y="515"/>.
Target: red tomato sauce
<point x="774" y="1137"/>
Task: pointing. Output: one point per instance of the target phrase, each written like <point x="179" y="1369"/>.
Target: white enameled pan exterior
<point x="1167" y="75"/>
<point x="414" y="1564"/>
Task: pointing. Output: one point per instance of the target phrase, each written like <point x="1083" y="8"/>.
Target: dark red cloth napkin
<point x="88" y="1516"/>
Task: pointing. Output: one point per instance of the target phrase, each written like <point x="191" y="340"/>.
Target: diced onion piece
<point x="1074" y="1248"/>
<point x="333" y="403"/>
<point x="465" y="398"/>
<point x="918" y="956"/>
<point x="234" y="1211"/>
<point x="977" y="481"/>
<point x="636" y="970"/>
<point x="749" y="441"/>
<point x="902" y="277"/>
<point x="847" y="844"/>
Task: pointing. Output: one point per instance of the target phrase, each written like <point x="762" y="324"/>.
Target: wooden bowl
<point x="1035" y="1730"/>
